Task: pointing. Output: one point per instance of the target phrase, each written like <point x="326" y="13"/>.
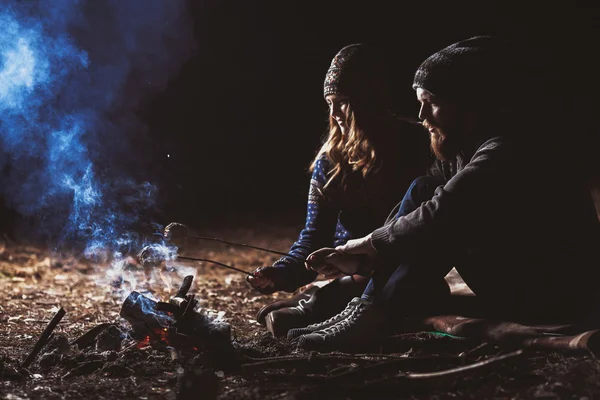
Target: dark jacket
<point x="515" y="221"/>
<point x="335" y="215"/>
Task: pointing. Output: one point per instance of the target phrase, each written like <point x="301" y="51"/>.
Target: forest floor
<point x="34" y="285"/>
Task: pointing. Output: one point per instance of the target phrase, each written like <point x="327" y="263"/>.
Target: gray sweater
<point x="512" y="216"/>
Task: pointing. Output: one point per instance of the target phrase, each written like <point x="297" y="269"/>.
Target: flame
<point x="160" y="336"/>
<point x="143" y="343"/>
<point x="166" y="337"/>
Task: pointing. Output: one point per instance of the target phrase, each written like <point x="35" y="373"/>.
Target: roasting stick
<point x="215" y="262"/>
<point x="281" y="253"/>
<point x="148" y="258"/>
<point x="169" y="234"/>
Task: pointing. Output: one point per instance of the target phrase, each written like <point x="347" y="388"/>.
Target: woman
<point x="365" y="165"/>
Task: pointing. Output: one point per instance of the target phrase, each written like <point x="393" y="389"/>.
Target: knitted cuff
<point x="380" y="238"/>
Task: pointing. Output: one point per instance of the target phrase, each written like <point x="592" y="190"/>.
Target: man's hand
<point x="355" y="257"/>
<point x="362" y="245"/>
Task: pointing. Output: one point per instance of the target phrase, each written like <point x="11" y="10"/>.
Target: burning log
<point x="175" y="323"/>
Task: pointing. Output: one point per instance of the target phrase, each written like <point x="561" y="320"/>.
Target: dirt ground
<point x="34" y="284"/>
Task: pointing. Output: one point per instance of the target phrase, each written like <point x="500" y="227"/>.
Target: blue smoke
<point x="72" y="73"/>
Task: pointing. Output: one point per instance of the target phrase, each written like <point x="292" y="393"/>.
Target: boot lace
<point x="343" y="325"/>
<point x="336" y="317"/>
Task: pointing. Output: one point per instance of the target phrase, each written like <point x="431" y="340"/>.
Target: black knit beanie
<point x="482" y="69"/>
<point x="359" y="72"/>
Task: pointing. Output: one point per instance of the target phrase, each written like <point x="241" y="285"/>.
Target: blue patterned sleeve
<point x="319" y="230"/>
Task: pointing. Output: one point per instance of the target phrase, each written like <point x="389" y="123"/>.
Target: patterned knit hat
<point x="485" y="64"/>
<point x="358" y="72"/>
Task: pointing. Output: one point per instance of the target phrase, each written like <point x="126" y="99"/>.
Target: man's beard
<point x="444" y="146"/>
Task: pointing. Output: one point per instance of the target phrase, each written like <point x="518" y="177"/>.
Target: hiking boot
<point x="295" y="333"/>
<point x="324" y="303"/>
<point x="279" y="322"/>
<point x="363" y="325"/>
<point x="291" y="302"/>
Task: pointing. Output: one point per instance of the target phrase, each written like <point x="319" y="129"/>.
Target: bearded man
<point x="511" y="216"/>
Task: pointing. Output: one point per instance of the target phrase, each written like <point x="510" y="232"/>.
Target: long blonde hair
<point x="353" y="152"/>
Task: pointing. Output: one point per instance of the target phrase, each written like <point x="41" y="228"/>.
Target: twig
<point x="459" y="370"/>
<point x="378" y="368"/>
<point x="290" y="361"/>
<point x="466" y="353"/>
<point x="130" y="346"/>
<point x="339" y="355"/>
<point x="345" y="356"/>
<point x="215" y="262"/>
<point x="360" y="383"/>
<point x="415" y="377"/>
<point x="44" y="337"/>
<point x="282" y="362"/>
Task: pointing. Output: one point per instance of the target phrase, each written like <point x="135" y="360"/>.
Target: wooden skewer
<point x="216" y="262"/>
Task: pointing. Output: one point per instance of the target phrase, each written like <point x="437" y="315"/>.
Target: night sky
<point x="233" y="132"/>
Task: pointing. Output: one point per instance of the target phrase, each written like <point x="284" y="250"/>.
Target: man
<point x="514" y="219"/>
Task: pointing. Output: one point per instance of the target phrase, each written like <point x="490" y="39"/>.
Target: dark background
<point x="244" y="117"/>
<point x="234" y="132"/>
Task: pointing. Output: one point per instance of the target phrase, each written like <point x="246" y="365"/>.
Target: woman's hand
<point x="268" y="280"/>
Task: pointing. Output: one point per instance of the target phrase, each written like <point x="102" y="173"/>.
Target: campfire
<point x="177" y="326"/>
<point x="174" y="323"/>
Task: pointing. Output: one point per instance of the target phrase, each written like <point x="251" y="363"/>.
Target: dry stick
<point x="44" y="337"/>
<point x="384" y="365"/>
<point x="287" y="361"/>
<point x="281" y="362"/>
<point x="466" y="353"/>
<point x="341" y="357"/>
<point x="215" y="262"/>
<point x="429" y="376"/>
<point x="338" y="354"/>
<point x="345" y="356"/>
<point x="458" y="370"/>
<point x="410" y="376"/>
<point x="131" y="345"/>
